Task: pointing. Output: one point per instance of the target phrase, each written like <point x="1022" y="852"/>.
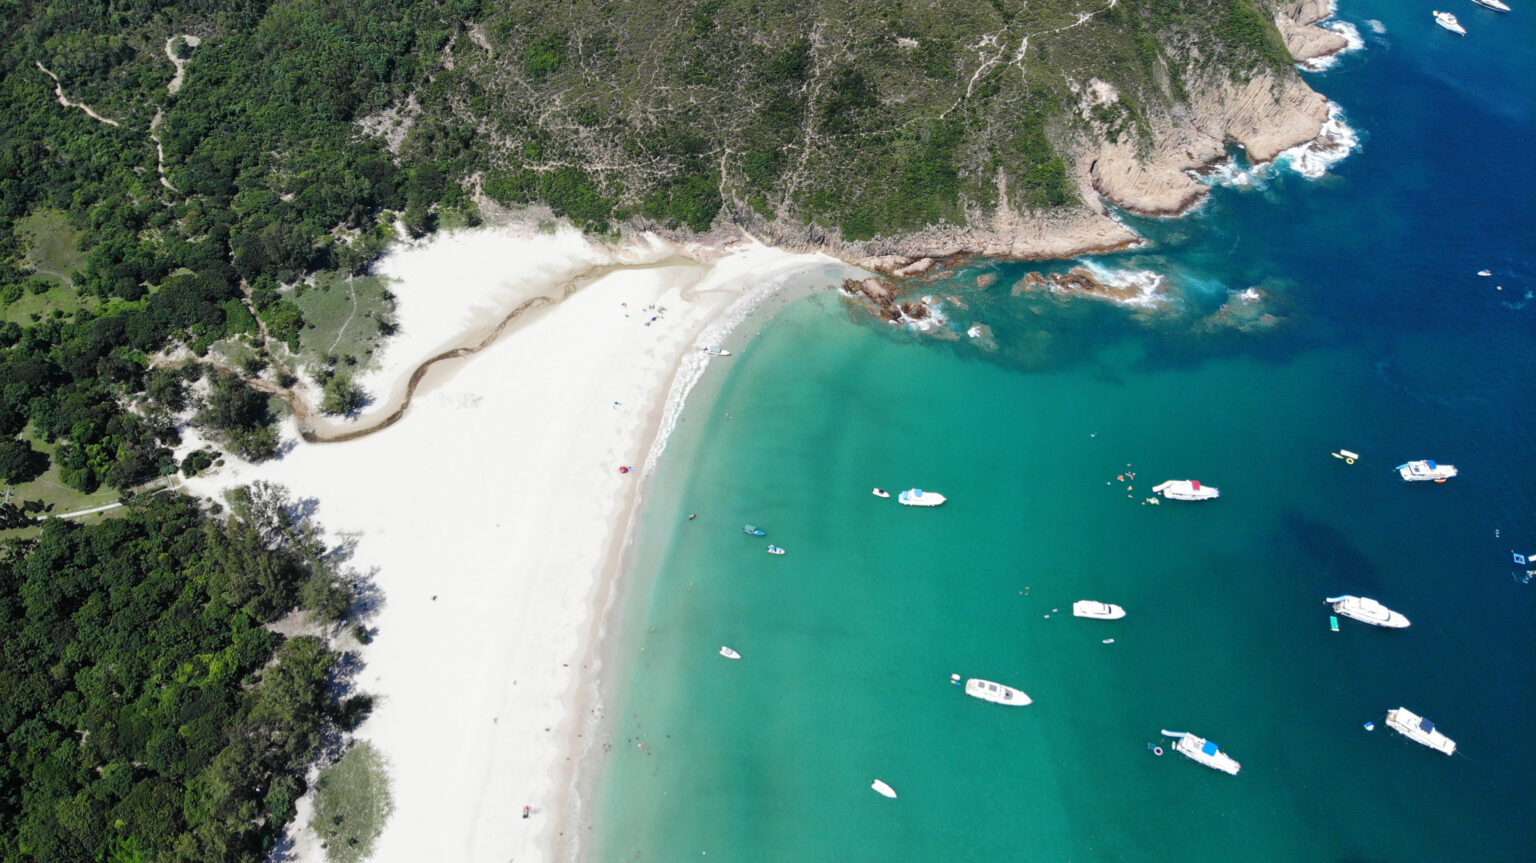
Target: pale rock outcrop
<point x="1306" y="41"/>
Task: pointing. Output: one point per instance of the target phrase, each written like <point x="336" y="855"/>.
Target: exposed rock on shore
<point x="880" y="296"/>
<point x="1080" y="281"/>
<point x="1306" y="41"/>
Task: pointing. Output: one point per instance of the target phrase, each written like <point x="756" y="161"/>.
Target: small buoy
<point x="1156" y="750"/>
<point x="955" y="679"/>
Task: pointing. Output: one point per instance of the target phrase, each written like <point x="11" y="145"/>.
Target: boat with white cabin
<point x="996" y="693"/>
<point x="1449" y="22"/>
<point x="773" y="549"/>
<point x="918" y="497"/>
<point x="1186" y="489"/>
<point x="1097" y="610"/>
<point x="1495" y="5"/>
<point x="729" y="653"/>
<point x="1419" y="730"/>
<point x="880" y="492"/>
<point x="1367" y="610"/>
<point x="1426" y="469"/>
<point x="1204" y="751"/>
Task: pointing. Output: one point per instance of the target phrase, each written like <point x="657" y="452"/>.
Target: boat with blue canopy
<point x="1204" y="751"/>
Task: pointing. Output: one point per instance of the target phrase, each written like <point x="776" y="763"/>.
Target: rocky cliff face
<point x="1305" y="41"/>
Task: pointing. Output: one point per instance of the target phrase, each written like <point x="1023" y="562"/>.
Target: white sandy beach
<point x="492" y="517"/>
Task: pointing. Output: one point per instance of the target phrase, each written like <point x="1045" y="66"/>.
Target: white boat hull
<point x="918" y="497"/>
<point x="1202" y="750"/>
<point x="729" y="653"/>
<point x="1097" y="610"/>
<point x="996" y="693"/>
<point x="1425" y="470"/>
<point x="1419" y="730"/>
<point x="883" y="789"/>
<point x="1186" y="489"/>
<point x="1367" y="610"/>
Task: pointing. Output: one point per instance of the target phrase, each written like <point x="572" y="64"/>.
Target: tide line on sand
<point x="491" y="519"/>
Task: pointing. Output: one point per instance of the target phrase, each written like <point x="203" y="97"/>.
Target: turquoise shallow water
<point x="1390" y="346"/>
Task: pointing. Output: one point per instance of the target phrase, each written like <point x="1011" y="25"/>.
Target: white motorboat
<point x="716" y="351"/>
<point x="1426" y="469"/>
<point x="996" y="693"/>
<point x="1186" y="489"/>
<point x="1367" y="610"/>
<point x="918" y="497"/>
<point x="1485" y="273"/>
<point x="1203" y="751"/>
<point x="1097" y="610"/>
<point x="1419" y="730"/>
<point x="773" y="549"/>
<point x="729" y="653"/>
<point x="1495" y="5"/>
<point x="880" y="492"/>
<point x="884" y="790"/>
<point x="1449" y="22"/>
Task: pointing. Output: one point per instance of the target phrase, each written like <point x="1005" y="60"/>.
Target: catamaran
<point x="1425" y="469"/>
<point x="918" y="497"/>
<point x="1186" y="489"/>
<point x="1419" y="730"/>
<point x="1367" y="610"/>
<point x="1098" y="610"/>
<point x="1203" y="751"/>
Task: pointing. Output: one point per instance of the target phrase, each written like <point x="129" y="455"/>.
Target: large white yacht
<point x="1186" y="489"/>
<point x="1425" y="469"/>
<point x="1367" y="610"/>
<point x="997" y="693"/>
<point x="1495" y="5"/>
<point x="1203" y="751"/>
<point x="1095" y="609"/>
<point x="1449" y="22"/>
<point x="1419" y="730"/>
<point x="918" y="497"/>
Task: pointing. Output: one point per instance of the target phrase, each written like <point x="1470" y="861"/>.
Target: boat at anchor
<point x="1449" y="22"/>
<point x="996" y="693"/>
<point x="753" y="530"/>
<point x="1424" y="470"/>
<point x="1367" y="610"/>
<point x="1204" y="751"/>
<point x="1419" y="730"/>
<point x="1186" y="489"/>
<point x="918" y="497"/>
<point x="729" y="653"/>
<point x="1097" y="610"/>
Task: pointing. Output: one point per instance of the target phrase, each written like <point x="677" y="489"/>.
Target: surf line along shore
<point x="491" y="518"/>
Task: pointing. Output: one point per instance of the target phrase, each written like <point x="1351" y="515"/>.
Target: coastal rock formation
<point x="1080" y="281"/>
<point x="880" y="297"/>
<point x="1265" y="116"/>
<point x="1297" y="24"/>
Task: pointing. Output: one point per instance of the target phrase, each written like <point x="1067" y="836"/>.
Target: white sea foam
<point x="1377" y="27"/>
<point x="1352" y="38"/>
<point x="1336" y="140"/>
<point x="1147" y="283"/>
<point x="1229" y="173"/>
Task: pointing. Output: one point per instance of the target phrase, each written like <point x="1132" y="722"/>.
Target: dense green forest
<point x="148" y="713"/>
<point x="234" y="148"/>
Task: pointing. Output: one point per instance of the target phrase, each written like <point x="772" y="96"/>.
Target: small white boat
<point x="1495" y="5"/>
<point x="1204" y="751"/>
<point x="729" y="653"/>
<point x="880" y="492"/>
<point x="1349" y="457"/>
<point x="996" y="693"/>
<point x="773" y="549"/>
<point x="1426" y="469"/>
<point x="885" y="790"/>
<point x="918" y="497"/>
<point x="716" y="351"/>
<point x="1186" y="489"/>
<point x="1449" y="22"/>
<point x="1097" y="610"/>
<point x="1367" y="610"/>
<point x="1419" y="730"/>
<point x="1485" y="273"/>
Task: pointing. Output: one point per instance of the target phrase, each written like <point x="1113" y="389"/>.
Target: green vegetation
<point x="148" y="712"/>
<point x="352" y="802"/>
<point x="343" y="316"/>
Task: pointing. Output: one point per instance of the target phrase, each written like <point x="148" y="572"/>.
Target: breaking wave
<point x="1334" y="142"/>
<point x="1352" y="38"/>
<point x="1150" y="287"/>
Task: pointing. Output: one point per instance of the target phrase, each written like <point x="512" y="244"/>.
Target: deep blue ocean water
<point x="1387" y="343"/>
